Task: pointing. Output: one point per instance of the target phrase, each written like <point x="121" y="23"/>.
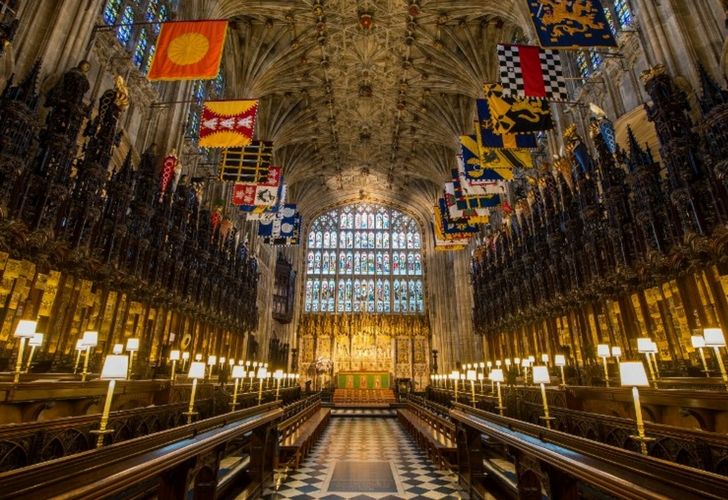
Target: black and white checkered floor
<point x="365" y="445"/>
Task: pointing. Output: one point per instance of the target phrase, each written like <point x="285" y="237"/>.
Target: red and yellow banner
<point x="227" y="124"/>
<point x="189" y="50"/>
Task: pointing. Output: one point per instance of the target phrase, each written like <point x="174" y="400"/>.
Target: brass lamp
<point x="35" y="341"/>
<point x="616" y="352"/>
<point x="115" y="368"/>
<point x="24" y="331"/>
<point x="174" y="357"/>
<point x="185" y="359"/>
<point x="481" y="378"/>
<point x="90" y="339"/>
<point x="644" y="346"/>
<point x="560" y="361"/>
<point x="197" y="371"/>
<point x="211" y="361"/>
<point x="654" y="351"/>
<point x="632" y="373"/>
<point x="507" y="361"/>
<point x="237" y="374"/>
<point x="698" y="343"/>
<point x="525" y="363"/>
<point x="262" y="375"/>
<point x="545" y="359"/>
<point x="132" y="345"/>
<point x="278" y="375"/>
<point x="79" y="349"/>
<point x="541" y="377"/>
<point x="714" y="338"/>
<point x="455" y="377"/>
<point x="603" y="352"/>
<point x="471" y="376"/>
<point x="517" y="362"/>
<point x="118" y="349"/>
<point x="496" y="376"/>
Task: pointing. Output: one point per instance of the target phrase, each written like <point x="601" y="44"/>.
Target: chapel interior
<point x="363" y="249"/>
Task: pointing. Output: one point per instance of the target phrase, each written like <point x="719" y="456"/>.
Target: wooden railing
<point x="26" y="444"/>
<point x="559" y="465"/>
<point x="166" y="464"/>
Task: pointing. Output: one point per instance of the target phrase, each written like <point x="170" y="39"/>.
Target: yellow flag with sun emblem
<point x="189" y="50"/>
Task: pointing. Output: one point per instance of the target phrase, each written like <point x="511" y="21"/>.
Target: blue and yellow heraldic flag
<point x="571" y="23"/>
<point x="490" y="139"/>
<point x="513" y="115"/>
<point x="490" y="164"/>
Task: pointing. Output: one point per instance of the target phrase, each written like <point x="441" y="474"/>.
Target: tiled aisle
<point x="347" y="442"/>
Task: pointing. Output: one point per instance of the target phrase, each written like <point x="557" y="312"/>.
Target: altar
<point x="363" y="380"/>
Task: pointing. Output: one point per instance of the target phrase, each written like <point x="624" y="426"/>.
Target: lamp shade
<point x="603" y="350"/>
<point x="118" y="349"/>
<point x="198" y="357"/>
<point x="489" y="364"/>
<point x="262" y="372"/>
<point x="545" y="358"/>
<point x="197" y="370"/>
<point x="525" y="362"/>
<point x="531" y="359"/>
<point x="517" y="361"/>
<point x="616" y="351"/>
<point x="25" y="329"/>
<point x="698" y="341"/>
<point x="132" y="344"/>
<point x="238" y="371"/>
<point x="497" y="362"/>
<point x="116" y="367"/>
<point x="508" y="361"/>
<point x="36" y="340"/>
<point x="644" y="344"/>
<point x="222" y="360"/>
<point x="560" y="360"/>
<point x="79" y="345"/>
<point x="185" y="356"/>
<point x="454" y="375"/>
<point x="174" y="355"/>
<point x="481" y="376"/>
<point x="482" y="365"/>
<point x="632" y="373"/>
<point x="212" y="360"/>
<point x="90" y="339"/>
<point x="231" y="362"/>
<point x="541" y="375"/>
<point x="713" y="337"/>
<point x="470" y="375"/>
<point x="496" y="375"/>
<point x="278" y="374"/>
<point x="251" y="374"/>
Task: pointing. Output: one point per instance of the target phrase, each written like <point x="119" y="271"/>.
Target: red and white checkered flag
<point x="530" y="71"/>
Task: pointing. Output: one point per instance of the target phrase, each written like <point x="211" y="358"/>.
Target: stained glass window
<point x="364" y="258"/>
<point x="123" y="32"/>
<point x="111" y="11"/>
<point x="624" y="14"/>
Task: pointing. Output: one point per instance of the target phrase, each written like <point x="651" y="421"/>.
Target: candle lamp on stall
<point x="471" y="376"/>
<point x="116" y="367"/>
<point x="455" y="377"/>
<point x="35" y="341"/>
<point x="90" y="339"/>
<point x="714" y="338"/>
<point x="632" y="374"/>
<point x="197" y="371"/>
<point x="132" y="345"/>
<point x="560" y="361"/>
<point x="278" y="376"/>
<point x="496" y="377"/>
<point x="23" y="332"/>
<point x="262" y="375"/>
<point x="118" y="349"/>
<point x="698" y="343"/>
<point x="79" y="350"/>
<point x="644" y="346"/>
<point x="541" y="377"/>
<point x="617" y="353"/>
<point x="603" y="352"/>
<point x="238" y="373"/>
<point x="211" y="361"/>
<point x="174" y="356"/>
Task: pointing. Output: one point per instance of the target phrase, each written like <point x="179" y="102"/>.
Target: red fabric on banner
<point x="531" y="69"/>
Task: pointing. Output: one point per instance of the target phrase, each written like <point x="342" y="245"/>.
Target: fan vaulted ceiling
<point x="364" y="99"/>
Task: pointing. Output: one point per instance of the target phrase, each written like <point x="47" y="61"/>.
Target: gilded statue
<point x="122" y="93"/>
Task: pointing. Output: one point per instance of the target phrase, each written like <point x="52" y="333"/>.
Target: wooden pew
<point x="567" y="464"/>
<point x="299" y="432"/>
<point x="164" y="465"/>
<point x="431" y="432"/>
